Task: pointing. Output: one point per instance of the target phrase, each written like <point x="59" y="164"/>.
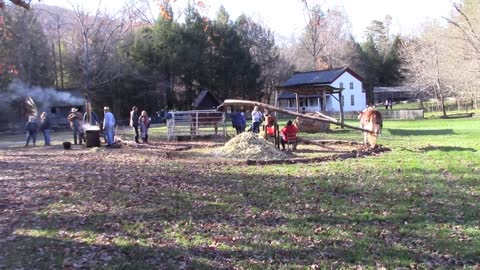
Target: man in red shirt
<point x="289" y="135"/>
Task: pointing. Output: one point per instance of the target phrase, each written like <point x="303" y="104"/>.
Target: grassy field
<point x="416" y="207"/>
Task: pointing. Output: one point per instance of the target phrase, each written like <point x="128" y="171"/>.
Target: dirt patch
<point x="308" y="151"/>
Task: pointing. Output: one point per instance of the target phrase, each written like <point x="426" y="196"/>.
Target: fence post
<point x="197" y="131"/>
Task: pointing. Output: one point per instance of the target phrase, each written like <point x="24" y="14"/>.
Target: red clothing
<point x="290" y="131"/>
<point x="270" y="120"/>
<point x="271" y="130"/>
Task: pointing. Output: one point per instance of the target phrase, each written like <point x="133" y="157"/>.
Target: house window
<point x="312" y="102"/>
<point x="351" y="85"/>
<point x="341" y="85"/>
<point x="352" y="100"/>
<point x="53" y="110"/>
<point x="283" y="103"/>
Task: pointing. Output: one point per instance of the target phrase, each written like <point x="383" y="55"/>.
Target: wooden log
<point x="342" y="117"/>
<point x="326" y="116"/>
<point x="273" y="108"/>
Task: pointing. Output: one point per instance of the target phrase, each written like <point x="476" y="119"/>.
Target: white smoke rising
<point x="44" y="96"/>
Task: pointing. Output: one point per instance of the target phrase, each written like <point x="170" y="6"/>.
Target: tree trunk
<point x="55" y="65"/>
<point x="60" y="60"/>
<point x="442" y="100"/>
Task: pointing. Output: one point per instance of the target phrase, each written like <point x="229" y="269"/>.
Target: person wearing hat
<point x="108" y="125"/>
<point x="76" y="123"/>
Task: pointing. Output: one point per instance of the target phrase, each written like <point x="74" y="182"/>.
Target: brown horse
<point x="372" y="120"/>
<point x="205" y="119"/>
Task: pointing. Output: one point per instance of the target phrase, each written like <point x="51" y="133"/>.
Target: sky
<point x="286" y="18"/>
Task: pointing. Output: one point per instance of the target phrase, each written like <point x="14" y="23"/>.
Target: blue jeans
<point x="46" y="136"/>
<point x="77" y="135"/>
<point x="256" y="127"/>
<point x="240" y="129"/>
<point x="109" y="134"/>
<point x="31" y="135"/>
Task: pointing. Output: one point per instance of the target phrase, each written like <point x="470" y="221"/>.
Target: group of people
<point x="388" y="103"/>
<point x="32" y="128"/>
<point x="239" y="122"/>
<point x="79" y="122"/>
<point x="141" y="124"/>
<point x="141" y="121"/>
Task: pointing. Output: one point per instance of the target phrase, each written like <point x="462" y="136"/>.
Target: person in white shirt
<point x="257" y="118"/>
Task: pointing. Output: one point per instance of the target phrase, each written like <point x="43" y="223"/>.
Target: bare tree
<point x="464" y="40"/>
<point x="325" y="37"/>
<point x="56" y="28"/>
<point x="425" y="65"/>
<point x="95" y="42"/>
<point x="466" y="21"/>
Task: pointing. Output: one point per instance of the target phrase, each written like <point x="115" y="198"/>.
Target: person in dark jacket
<point x="239" y="121"/>
<point x="45" y="127"/>
<point x="93" y="120"/>
<point x="134" y="121"/>
<point x="31" y="128"/>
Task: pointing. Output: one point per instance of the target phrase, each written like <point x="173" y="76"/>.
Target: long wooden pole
<point x="273" y="108"/>
<point x="297" y="103"/>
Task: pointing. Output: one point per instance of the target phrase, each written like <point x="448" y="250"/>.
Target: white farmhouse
<point x="332" y="82"/>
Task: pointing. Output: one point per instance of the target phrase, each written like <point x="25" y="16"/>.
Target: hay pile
<point x="248" y="145"/>
<point x="312" y="126"/>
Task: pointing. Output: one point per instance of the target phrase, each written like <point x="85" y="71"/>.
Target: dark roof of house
<point x="318" y="77"/>
<point x="201" y="96"/>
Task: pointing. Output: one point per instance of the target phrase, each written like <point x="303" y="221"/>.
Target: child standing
<point x="45" y="127"/>
<point x="31" y="128"/>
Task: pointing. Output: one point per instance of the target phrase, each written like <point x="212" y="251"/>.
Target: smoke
<point x="44" y="97"/>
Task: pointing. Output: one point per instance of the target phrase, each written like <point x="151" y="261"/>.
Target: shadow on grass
<point x="447" y="149"/>
<point x="68" y="254"/>
<point x="420" y="132"/>
<point x="208" y="217"/>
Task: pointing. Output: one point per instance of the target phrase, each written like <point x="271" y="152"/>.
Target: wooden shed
<point x="206" y="101"/>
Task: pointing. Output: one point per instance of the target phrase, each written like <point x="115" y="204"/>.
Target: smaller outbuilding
<point x="206" y="101"/>
<point x="394" y="93"/>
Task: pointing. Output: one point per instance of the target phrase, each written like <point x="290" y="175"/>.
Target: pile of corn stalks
<point x="248" y="145"/>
